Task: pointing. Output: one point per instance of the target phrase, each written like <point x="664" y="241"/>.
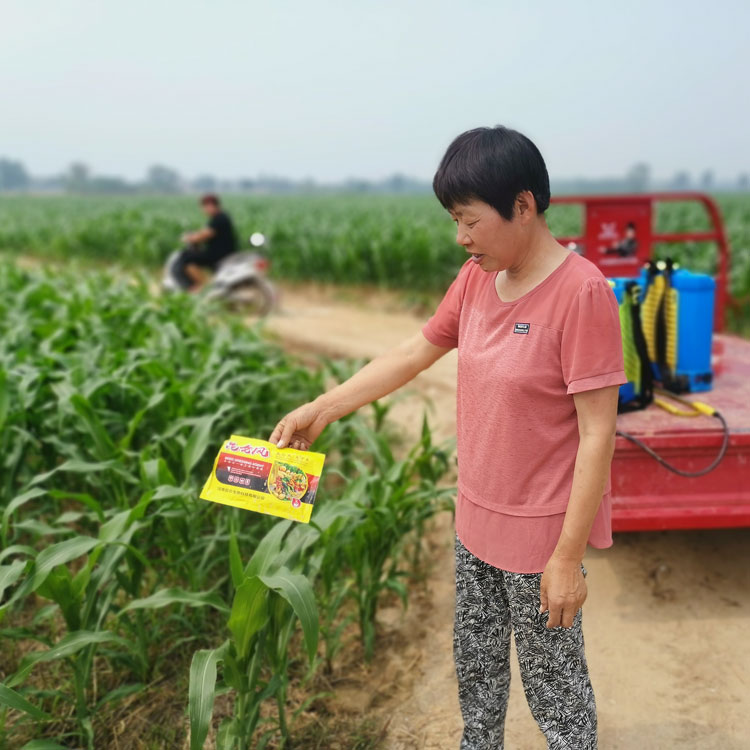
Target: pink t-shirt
<point x="519" y="364"/>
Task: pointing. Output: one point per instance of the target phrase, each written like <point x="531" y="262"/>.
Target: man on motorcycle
<point x="206" y="247"/>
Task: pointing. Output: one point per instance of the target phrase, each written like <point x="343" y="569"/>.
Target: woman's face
<point x="494" y="242"/>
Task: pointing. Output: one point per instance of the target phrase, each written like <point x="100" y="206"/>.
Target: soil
<point x="666" y="622"/>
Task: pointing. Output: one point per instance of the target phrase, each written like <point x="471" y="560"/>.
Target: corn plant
<point x="111" y="404"/>
<point x="405" y="242"/>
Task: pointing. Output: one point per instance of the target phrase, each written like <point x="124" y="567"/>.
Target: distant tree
<point x="108" y="185"/>
<point x="246" y="184"/>
<point x="638" y="177"/>
<point x="353" y="185"/>
<point x="204" y="183"/>
<point x="396" y="183"/>
<point x="77" y="177"/>
<point x="162" y="179"/>
<point x="743" y="181"/>
<point x="13" y="175"/>
<point x="707" y="179"/>
<point x="681" y="181"/>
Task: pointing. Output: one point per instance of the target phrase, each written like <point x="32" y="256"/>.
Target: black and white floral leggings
<point x="489" y="602"/>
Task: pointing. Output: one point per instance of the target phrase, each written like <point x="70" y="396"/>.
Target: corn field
<point x="117" y="582"/>
<point x="400" y="242"/>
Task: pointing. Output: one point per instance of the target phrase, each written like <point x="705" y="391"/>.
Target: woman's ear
<point x="525" y="206"/>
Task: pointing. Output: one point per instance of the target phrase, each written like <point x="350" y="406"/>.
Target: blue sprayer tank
<point x="628" y="390"/>
<point x="695" y="319"/>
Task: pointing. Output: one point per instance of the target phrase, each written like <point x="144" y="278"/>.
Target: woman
<point x="539" y="365"/>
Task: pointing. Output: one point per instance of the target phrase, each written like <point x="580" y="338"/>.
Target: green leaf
<point x="75" y="466"/>
<point x="4" y="398"/>
<point x="44" y="745"/>
<point x="201" y="694"/>
<point x="58" y="586"/>
<point x="113" y="529"/>
<point x="266" y="554"/>
<point x="165" y="491"/>
<point x="60" y="554"/>
<point x="298" y="591"/>
<point x="197" y="443"/>
<point x="249" y="613"/>
<point x="165" y="597"/>
<point x="235" y="561"/>
<point x="11" y="699"/>
<point x="82" y="497"/>
<point x="154" y="472"/>
<point x="9" y="574"/>
<point x="67" y="646"/>
<point x="16" y="503"/>
<point x="155" y="399"/>
<point x="121" y="692"/>
<point x="48" y="559"/>
<point x="104" y="447"/>
<point x="17" y="549"/>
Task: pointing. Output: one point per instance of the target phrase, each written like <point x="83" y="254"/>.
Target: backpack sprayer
<point x="666" y="319"/>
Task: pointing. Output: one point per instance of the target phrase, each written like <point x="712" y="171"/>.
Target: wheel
<point x="253" y="295"/>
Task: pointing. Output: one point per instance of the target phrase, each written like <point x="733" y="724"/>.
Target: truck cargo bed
<point x="646" y="495"/>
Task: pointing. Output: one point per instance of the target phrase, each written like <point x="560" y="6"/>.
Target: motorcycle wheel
<point x="252" y="296"/>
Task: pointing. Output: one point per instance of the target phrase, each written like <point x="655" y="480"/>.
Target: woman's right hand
<point x="300" y="428"/>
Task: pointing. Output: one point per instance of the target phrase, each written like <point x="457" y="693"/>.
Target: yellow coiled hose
<point x="659" y="292"/>
<point x="670" y="309"/>
<point x="649" y="313"/>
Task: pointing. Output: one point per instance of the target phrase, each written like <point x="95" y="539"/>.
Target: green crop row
<point x="401" y="242"/>
<point x="114" y="576"/>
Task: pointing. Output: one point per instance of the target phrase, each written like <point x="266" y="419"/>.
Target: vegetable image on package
<point x="287" y="482"/>
<point x="256" y="475"/>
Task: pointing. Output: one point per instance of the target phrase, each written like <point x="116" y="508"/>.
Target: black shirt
<point x="224" y="241"/>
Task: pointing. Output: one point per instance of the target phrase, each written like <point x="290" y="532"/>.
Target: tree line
<point x="78" y="178"/>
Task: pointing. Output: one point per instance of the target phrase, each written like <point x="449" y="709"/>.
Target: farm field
<point x="398" y="242"/>
<point x="119" y="586"/>
<point x="123" y="595"/>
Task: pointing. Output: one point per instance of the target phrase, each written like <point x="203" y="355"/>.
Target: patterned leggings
<point x="490" y="601"/>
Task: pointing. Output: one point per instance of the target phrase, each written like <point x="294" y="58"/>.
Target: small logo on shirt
<point x="521" y="328"/>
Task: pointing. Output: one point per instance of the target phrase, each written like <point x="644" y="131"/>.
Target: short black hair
<point x="210" y="198"/>
<point x="492" y="165"/>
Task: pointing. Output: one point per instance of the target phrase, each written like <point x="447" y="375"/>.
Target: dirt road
<point x="666" y="622"/>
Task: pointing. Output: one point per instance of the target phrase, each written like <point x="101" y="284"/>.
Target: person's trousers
<point x="195" y="255"/>
<point x="489" y="603"/>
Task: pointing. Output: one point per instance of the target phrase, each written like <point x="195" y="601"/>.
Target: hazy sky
<point x="335" y="89"/>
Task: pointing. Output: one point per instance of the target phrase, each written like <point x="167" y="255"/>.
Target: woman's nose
<point x="462" y="238"/>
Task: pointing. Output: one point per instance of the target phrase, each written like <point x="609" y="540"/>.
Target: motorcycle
<point x="240" y="278"/>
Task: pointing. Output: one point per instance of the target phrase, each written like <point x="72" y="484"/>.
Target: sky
<point x="331" y="90"/>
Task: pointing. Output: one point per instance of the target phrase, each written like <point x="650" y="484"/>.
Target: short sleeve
<point x="591" y="344"/>
<point x="442" y="328"/>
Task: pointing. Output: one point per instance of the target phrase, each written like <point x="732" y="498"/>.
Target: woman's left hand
<point x="563" y="590"/>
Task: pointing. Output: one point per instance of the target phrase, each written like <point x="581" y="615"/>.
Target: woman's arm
<point x="378" y="378"/>
<point x="563" y="588"/>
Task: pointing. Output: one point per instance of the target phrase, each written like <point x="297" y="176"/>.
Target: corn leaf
<point x="249" y="613"/>
<point x="11" y="699"/>
<point x="166" y="597"/>
<point x="59" y="554"/>
<point x="298" y="591"/>
<point x="9" y="574"/>
<point x="201" y="695"/>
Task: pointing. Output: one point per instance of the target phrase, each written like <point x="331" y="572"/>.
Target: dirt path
<point x="667" y="620"/>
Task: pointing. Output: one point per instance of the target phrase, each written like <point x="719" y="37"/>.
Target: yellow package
<point x="256" y="475"/>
